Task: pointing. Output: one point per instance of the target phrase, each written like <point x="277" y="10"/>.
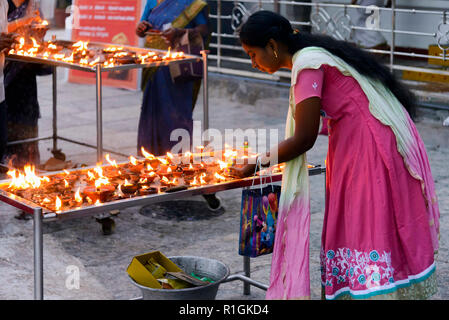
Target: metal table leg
<point x="38" y="255"/>
<point x="55" y="115"/>
<point x="204" y="54"/>
<point x="247" y="271"/>
<point x="99" y="114"/>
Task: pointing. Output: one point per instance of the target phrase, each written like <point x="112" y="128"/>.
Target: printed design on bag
<point x="258" y="221"/>
<point x="359" y="270"/>
<point x="245" y="225"/>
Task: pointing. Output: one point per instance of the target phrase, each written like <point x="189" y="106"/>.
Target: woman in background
<point x="166" y="105"/>
<point x="21" y="95"/>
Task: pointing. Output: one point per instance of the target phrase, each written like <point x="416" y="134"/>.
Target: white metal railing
<point x="229" y="59"/>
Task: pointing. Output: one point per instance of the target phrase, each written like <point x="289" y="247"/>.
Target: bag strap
<point x="259" y="165"/>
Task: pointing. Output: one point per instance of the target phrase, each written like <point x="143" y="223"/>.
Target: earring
<point x="275" y="54"/>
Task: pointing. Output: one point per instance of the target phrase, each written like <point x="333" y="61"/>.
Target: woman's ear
<point x="273" y="46"/>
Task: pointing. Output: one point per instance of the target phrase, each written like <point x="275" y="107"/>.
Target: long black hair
<point x="265" y="25"/>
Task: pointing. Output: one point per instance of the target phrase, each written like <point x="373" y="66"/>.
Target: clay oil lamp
<point x="174" y="181"/>
<point x="52" y="48"/>
<point x="149" y="176"/>
<point x="113" y="172"/>
<point x="173" y="160"/>
<point x="125" y="57"/>
<point x="135" y="166"/>
<point x="150" y="159"/>
<point x="164" y="171"/>
<point x="203" y="179"/>
<point x="189" y="170"/>
<point x="58" y="204"/>
<point x="78" y="198"/>
<point x="100" y="192"/>
<point x="153" y="162"/>
<point x="146" y="190"/>
<point x="41" y="26"/>
<point x="195" y="182"/>
<point x="134" y="178"/>
<point x="177" y="172"/>
<point x="187" y="157"/>
<point x="164" y="181"/>
<point x="70" y="177"/>
<point x="200" y="167"/>
<point x="129" y="188"/>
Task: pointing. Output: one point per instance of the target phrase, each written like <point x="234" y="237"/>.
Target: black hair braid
<point x="265" y="25"/>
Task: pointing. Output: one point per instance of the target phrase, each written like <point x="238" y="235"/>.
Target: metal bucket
<point x="203" y="267"/>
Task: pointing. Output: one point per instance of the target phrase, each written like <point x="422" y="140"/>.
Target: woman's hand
<point x="6" y="41"/>
<point x="172" y="35"/>
<point x="243" y="172"/>
<point x="142" y="27"/>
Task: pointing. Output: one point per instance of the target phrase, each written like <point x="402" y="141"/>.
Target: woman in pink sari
<point x="381" y="219"/>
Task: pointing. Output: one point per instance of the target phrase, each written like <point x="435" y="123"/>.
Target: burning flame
<point x="223" y="165"/>
<point x="219" y="177"/>
<point x="146" y="154"/>
<point x="101" y="182"/>
<point x="109" y="63"/>
<point x="147" y="56"/>
<point x="167" y="55"/>
<point x="58" y="204"/>
<point x="80" y="46"/>
<point x="68" y="59"/>
<point x="78" y="197"/>
<point x="165" y="180"/>
<point x="149" y="168"/>
<point x="35" y="44"/>
<point x="25" y="180"/>
<point x="94" y="62"/>
<point x="90" y="175"/>
<point x="174" y="55"/>
<point x="133" y="160"/>
<point x="230" y="153"/>
<point x="84" y="61"/>
<point x="112" y="162"/>
<point x="99" y="171"/>
<point x="127" y="183"/>
<point x="142" y="180"/>
<point x="202" y="176"/>
<point x="194" y="182"/>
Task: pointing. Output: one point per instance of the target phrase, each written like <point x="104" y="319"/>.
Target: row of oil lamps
<point x="74" y="189"/>
<point x="80" y="53"/>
